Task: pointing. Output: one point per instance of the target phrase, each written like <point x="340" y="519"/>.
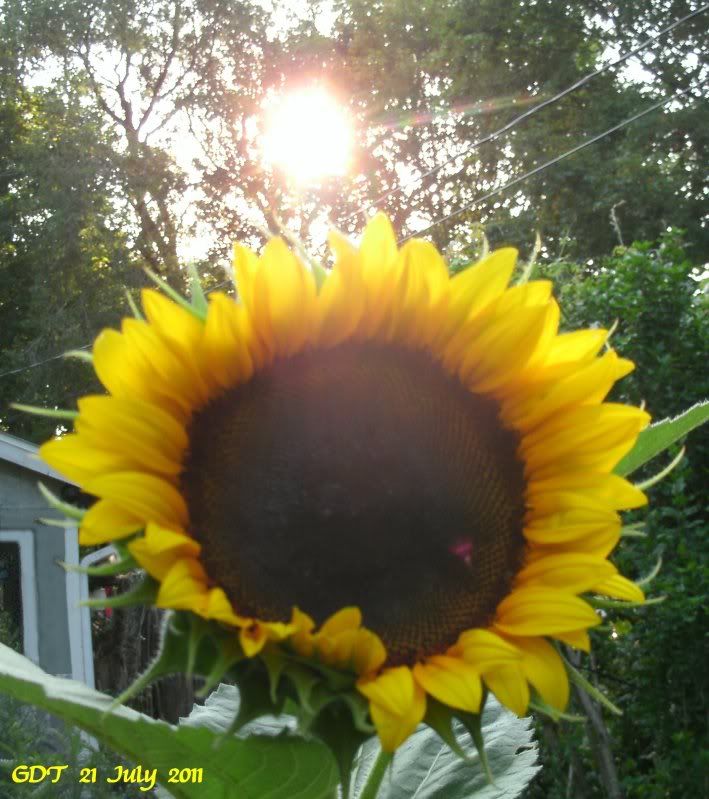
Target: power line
<point x="552" y="161"/>
<point x="530" y="112"/>
<point x="82" y="347"/>
<point x="464" y="208"/>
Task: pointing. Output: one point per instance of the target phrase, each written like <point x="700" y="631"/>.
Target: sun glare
<point x="308" y="135"/>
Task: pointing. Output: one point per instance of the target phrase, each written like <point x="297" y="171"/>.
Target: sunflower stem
<point x="376" y="775"/>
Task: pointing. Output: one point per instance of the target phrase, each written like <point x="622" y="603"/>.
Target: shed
<point x="38" y="598"/>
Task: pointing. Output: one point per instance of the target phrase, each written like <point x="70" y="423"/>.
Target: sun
<point x="308" y="135"/>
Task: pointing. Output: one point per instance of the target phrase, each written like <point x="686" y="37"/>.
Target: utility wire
<point x="530" y="112"/>
<point x="461" y="210"/>
<point x="82" y="347"/>
<point x="478" y="143"/>
<point x="552" y="161"/>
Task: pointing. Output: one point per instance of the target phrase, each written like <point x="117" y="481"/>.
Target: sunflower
<point x="403" y="475"/>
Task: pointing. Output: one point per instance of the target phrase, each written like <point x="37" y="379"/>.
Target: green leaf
<point x="425" y="766"/>
<point x="260" y="766"/>
<point x="658" y="437"/>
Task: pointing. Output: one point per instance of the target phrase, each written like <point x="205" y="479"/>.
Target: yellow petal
<point x="473" y="289"/>
<point x="253" y="639"/>
<point x="588" y="437"/>
<point x="302" y="639"/>
<point x="341" y="299"/>
<point x="378" y="248"/>
<point x="484" y="650"/>
<point x="543" y="611"/>
<point x="78" y="460"/>
<point x="144" y="434"/>
<point x="378" y="259"/>
<point x="218" y="607"/>
<point x="578" y="639"/>
<point x="397" y="705"/>
<point x="337" y="649"/>
<point x="587" y="385"/>
<point x="164" y="371"/>
<point x="181" y="332"/>
<point x="368" y="652"/>
<point x="107" y="521"/>
<point x="245" y="263"/>
<point x="284" y="298"/>
<point x="545" y="670"/>
<point x="579" y="346"/>
<point x="225" y="342"/>
<point x="619" y="587"/>
<point x="126" y="371"/>
<point x="451" y="681"/>
<point x="511" y="341"/>
<point x="146" y="496"/>
<point x="509" y="685"/>
<point x="160" y="547"/>
<point x="345" y="619"/>
<point x="171" y="321"/>
<point x="423" y="293"/>
<point x="184" y="587"/>
<point x="569" y="525"/>
<point x="607" y="490"/>
<point x="601" y="543"/>
<point x="575" y="572"/>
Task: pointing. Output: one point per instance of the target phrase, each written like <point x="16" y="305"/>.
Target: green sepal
<point x="538" y="705"/>
<point x="229" y="653"/>
<point x="359" y="708"/>
<point x="133" y="306"/>
<point x="79" y="355"/>
<point x="172" y="655"/>
<point x="175" y="296"/>
<point x="333" y="726"/>
<point x="52" y="413"/>
<point x="319" y="273"/>
<point x="66" y="524"/>
<point x="144" y="593"/>
<point x="275" y="665"/>
<point x="659" y="437"/>
<point x="636" y="530"/>
<point x="197" y="296"/>
<point x="439" y="718"/>
<point x="59" y="505"/>
<point x="655" y="479"/>
<point x="473" y="724"/>
<point x="255" y="693"/>
<point x="119" y="566"/>
<point x="198" y="630"/>
<point x="622" y="604"/>
<point x="339" y="680"/>
<point x="304" y="681"/>
<point x="581" y="682"/>
<point x="650" y="576"/>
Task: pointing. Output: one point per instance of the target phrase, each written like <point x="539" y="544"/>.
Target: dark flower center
<point x="360" y="475"/>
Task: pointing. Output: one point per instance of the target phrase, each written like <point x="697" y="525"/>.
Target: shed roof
<point x="22" y="453"/>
